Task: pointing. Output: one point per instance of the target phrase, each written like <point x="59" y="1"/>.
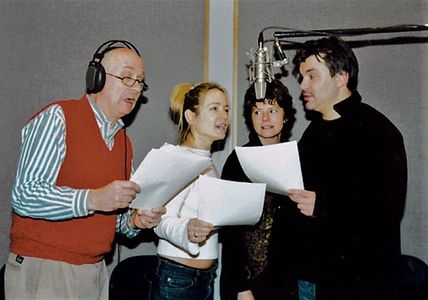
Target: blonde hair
<point x="186" y="96"/>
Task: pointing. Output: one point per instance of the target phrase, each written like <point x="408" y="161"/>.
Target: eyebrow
<point x="311" y="70"/>
<point x="267" y="106"/>
<point x="218" y="103"/>
<point x="131" y="68"/>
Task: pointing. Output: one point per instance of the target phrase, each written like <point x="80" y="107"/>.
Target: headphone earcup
<point x="95" y="77"/>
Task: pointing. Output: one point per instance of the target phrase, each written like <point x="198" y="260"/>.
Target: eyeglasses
<point x="128" y="81"/>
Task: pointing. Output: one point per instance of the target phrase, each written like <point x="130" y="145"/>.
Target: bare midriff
<point x="194" y="263"/>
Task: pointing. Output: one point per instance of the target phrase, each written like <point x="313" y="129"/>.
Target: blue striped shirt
<point x="43" y="150"/>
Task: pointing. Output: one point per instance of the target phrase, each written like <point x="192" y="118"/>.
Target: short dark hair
<point x="336" y="53"/>
<point x="275" y="91"/>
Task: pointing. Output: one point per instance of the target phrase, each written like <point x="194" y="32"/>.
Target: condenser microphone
<point x="262" y="69"/>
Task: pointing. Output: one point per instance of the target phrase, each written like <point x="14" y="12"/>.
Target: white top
<point x="172" y="229"/>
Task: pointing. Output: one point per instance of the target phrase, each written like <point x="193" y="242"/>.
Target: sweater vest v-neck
<point x="88" y="164"/>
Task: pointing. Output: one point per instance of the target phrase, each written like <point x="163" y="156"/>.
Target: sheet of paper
<point x="224" y="202"/>
<point x="164" y="172"/>
<point x="276" y="165"/>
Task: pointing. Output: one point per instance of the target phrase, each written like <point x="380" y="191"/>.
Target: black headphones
<point x="96" y="75"/>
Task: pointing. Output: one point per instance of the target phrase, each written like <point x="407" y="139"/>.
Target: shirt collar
<point x="346" y="106"/>
<point x="108" y="129"/>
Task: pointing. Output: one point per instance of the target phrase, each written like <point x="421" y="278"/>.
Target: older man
<point x="72" y="189"/>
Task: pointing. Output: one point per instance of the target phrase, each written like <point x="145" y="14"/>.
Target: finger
<point x="129" y="192"/>
<point x="303" y="207"/>
<point x="145" y="213"/>
<point x="294" y="192"/>
<point x="159" y="210"/>
<point x="126" y="200"/>
<point x="297" y="198"/>
<point x="292" y="197"/>
<point x="147" y="223"/>
<point x="135" y="186"/>
<point x="128" y="188"/>
<point x="302" y="199"/>
<point x="197" y="237"/>
<point x="206" y="230"/>
<point x="304" y="212"/>
<point x="307" y="210"/>
<point x="299" y="193"/>
<point x="193" y="223"/>
<point x="204" y="224"/>
<point x="122" y="202"/>
<point x="154" y="219"/>
<point x="193" y="236"/>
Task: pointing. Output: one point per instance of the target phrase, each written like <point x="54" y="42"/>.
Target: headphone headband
<point x="108" y="46"/>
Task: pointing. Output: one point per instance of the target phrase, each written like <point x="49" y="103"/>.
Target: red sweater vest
<point x="88" y="164"/>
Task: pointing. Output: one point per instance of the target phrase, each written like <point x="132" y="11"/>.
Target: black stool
<point x="130" y="279"/>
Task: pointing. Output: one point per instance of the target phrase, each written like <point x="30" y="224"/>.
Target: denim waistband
<point x="166" y="263"/>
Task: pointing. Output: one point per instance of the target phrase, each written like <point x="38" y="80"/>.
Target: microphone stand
<point x="283" y="36"/>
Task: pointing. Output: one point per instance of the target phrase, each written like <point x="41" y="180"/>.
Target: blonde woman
<point x="188" y="246"/>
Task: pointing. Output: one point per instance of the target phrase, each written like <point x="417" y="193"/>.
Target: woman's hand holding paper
<point x="198" y="230"/>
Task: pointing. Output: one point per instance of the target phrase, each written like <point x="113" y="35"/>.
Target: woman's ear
<point x="190" y="116"/>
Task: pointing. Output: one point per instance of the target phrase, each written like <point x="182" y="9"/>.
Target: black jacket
<point x="357" y="167"/>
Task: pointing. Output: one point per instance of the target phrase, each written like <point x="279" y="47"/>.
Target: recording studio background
<point x="45" y="47"/>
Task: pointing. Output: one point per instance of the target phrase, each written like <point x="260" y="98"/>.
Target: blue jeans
<point x="306" y="290"/>
<point x="174" y="281"/>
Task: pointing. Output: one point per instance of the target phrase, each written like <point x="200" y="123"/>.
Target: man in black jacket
<point x="355" y="175"/>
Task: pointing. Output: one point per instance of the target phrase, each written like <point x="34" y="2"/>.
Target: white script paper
<point x="276" y="165"/>
<point x="164" y="172"/>
<point x="224" y="202"/>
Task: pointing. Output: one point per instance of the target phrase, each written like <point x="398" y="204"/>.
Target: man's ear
<point x="190" y="116"/>
<point x="342" y="78"/>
